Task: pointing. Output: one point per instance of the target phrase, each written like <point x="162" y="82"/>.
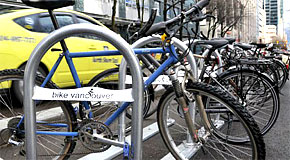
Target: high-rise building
<point x="281" y="8"/>
<point x="274" y="16"/>
<point x="272" y="8"/>
<point x="249" y="29"/>
<point x="261" y="19"/>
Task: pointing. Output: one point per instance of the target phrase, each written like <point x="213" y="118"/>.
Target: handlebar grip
<point x="155" y="28"/>
<point x="163" y="25"/>
<point x="202" y="4"/>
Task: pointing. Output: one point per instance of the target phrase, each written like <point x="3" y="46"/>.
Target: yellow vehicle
<point x="22" y="30"/>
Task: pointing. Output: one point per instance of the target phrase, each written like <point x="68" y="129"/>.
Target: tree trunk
<point x="138" y="9"/>
<point x="180" y="30"/>
<point x="114" y="15"/>
<point x="165" y="10"/>
<point x="142" y="17"/>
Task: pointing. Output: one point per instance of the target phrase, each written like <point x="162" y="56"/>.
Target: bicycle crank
<point x="96" y="136"/>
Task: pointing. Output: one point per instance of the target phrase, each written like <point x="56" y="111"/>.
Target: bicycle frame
<point x="69" y="56"/>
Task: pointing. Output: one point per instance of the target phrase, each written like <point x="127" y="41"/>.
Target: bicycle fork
<point x="183" y="100"/>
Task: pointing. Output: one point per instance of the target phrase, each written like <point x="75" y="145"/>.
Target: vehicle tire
<point x="48" y="112"/>
<point x="256" y="92"/>
<point x="173" y="129"/>
<point x="108" y="79"/>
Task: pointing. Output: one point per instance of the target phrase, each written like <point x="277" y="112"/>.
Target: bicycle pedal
<point x="126" y="150"/>
<point x="22" y="152"/>
<point x="15" y="143"/>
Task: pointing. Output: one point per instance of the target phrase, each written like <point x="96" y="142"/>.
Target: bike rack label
<point x="83" y="94"/>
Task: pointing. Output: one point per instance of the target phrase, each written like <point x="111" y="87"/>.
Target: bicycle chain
<point x="75" y="139"/>
<point x="80" y="124"/>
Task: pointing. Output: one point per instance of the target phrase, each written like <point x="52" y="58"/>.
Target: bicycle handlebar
<point x="149" y="23"/>
<point x="202" y="4"/>
<point x="162" y="25"/>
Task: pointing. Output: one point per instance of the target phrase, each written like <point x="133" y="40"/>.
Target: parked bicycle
<point x="230" y="134"/>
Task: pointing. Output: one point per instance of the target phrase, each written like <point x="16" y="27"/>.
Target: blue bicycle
<point x="62" y="119"/>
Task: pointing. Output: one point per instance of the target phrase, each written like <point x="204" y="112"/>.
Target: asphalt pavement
<point x="277" y="140"/>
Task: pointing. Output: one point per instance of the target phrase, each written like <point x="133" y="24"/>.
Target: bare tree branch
<point x="229" y="13"/>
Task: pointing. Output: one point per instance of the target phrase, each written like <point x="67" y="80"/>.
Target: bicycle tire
<point x="176" y="134"/>
<point x="282" y="72"/>
<point x="265" y="110"/>
<point x="53" y="147"/>
<point x="271" y="71"/>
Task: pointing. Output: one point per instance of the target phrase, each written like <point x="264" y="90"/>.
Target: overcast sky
<point x="287" y="20"/>
<point x="287" y="11"/>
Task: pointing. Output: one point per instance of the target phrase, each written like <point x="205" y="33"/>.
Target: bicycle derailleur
<point x="13" y="134"/>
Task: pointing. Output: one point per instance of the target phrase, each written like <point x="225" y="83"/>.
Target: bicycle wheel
<point x="173" y="129"/>
<point x="281" y="71"/>
<point x="271" y="71"/>
<point x="108" y="79"/>
<point x="48" y="114"/>
<point x="256" y="92"/>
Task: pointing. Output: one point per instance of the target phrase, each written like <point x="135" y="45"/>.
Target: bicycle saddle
<point x="214" y="43"/>
<point x="259" y="45"/>
<point x="230" y="39"/>
<point x="49" y="4"/>
<point x="244" y="46"/>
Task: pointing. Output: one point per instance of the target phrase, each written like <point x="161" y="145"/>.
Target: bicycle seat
<point x="214" y="43"/>
<point x="230" y="39"/>
<point x="49" y="4"/>
<point x="244" y="46"/>
<point x="259" y="45"/>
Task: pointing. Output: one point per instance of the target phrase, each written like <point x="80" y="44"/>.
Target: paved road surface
<point x="277" y="139"/>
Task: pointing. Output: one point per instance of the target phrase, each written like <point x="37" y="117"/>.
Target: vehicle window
<point x="5" y="11"/>
<point x="27" y="22"/>
<point x="82" y="20"/>
<point x="46" y="25"/>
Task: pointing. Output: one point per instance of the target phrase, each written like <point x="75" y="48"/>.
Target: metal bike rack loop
<point x="42" y="48"/>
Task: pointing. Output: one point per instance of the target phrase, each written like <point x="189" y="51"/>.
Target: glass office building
<point x="274" y="11"/>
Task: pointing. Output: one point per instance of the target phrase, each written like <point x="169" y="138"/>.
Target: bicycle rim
<point x="48" y="114"/>
<point x="257" y="94"/>
<point x="109" y="80"/>
<point x="174" y="131"/>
